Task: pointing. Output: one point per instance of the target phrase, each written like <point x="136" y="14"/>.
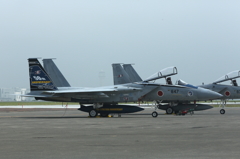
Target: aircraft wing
<point x="93" y="90"/>
<point x="29" y="95"/>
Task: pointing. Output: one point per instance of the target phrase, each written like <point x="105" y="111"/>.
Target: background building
<point x="14" y="94"/>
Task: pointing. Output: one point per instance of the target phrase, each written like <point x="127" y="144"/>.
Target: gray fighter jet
<point x="228" y="91"/>
<point x="125" y="73"/>
<point x="43" y="88"/>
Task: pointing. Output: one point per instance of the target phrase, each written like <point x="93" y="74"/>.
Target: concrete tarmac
<point x="47" y="134"/>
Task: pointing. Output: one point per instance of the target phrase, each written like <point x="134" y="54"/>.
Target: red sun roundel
<point x="160" y="93"/>
<point x="227" y="93"/>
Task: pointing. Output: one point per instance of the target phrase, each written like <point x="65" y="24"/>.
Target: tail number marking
<point x="174" y="91"/>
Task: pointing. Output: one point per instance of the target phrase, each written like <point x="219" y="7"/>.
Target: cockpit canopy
<point x="183" y="83"/>
<point x="169" y="71"/>
<point x="230" y="76"/>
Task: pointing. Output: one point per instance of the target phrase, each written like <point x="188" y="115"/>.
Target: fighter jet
<point x="228" y="91"/>
<point x="125" y="73"/>
<point x="43" y="88"/>
<point x="128" y="75"/>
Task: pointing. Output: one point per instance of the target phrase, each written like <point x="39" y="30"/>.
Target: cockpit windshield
<point x="229" y="76"/>
<point x="169" y="71"/>
<point x="183" y="83"/>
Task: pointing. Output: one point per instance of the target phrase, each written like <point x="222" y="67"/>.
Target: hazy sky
<point x="200" y="38"/>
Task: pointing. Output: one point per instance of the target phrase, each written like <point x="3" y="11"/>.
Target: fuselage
<point x="132" y="92"/>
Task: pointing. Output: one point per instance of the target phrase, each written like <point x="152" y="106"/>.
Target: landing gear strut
<point x="156" y="105"/>
<point x="223" y="104"/>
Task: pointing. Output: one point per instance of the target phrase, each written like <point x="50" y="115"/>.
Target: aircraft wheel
<point x="222" y="111"/>
<point x="103" y="114"/>
<point x="169" y="110"/>
<point x="154" y="114"/>
<point x="93" y="113"/>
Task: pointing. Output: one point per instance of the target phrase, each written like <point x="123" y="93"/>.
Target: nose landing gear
<point x="223" y="104"/>
<point x="222" y="111"/>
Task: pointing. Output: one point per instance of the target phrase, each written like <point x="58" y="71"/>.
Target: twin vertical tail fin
<point x="119" y="75"/>
<point x="39" y="79"/>
<point x="125" y="73"/>
<point x="132" y="73"/>
<point x="55" y="74"/>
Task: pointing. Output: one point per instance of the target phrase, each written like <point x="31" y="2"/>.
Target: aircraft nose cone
<point x="213" y="95"/>
<point x="206" y="94"/>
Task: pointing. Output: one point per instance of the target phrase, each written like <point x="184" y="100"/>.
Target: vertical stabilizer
<point x="55" y="74"/>
<point x="132" y="73"/>
<point x="39" y="79"/>
<point x="119" y="75"/>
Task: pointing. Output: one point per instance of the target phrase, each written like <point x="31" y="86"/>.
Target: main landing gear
<point x="93" y="113"/>
<point x="157" y="104"/>
<point x="169" y="110"/>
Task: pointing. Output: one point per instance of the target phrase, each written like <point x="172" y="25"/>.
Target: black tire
<point x="222" y="111"/>
<point x="169" y="110"/>
<point x="93" y="113"/>
<point x="154" y="114"/>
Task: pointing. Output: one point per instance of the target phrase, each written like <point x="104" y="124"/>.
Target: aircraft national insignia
<point x="190" y="93"/>
<point x="37" y="72"/>
<point x="227" y="93"/>
<point x="160" y="93"/>
<point x="120" y="75"/>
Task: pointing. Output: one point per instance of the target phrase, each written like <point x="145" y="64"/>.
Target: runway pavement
<point x="54" y="133"/>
